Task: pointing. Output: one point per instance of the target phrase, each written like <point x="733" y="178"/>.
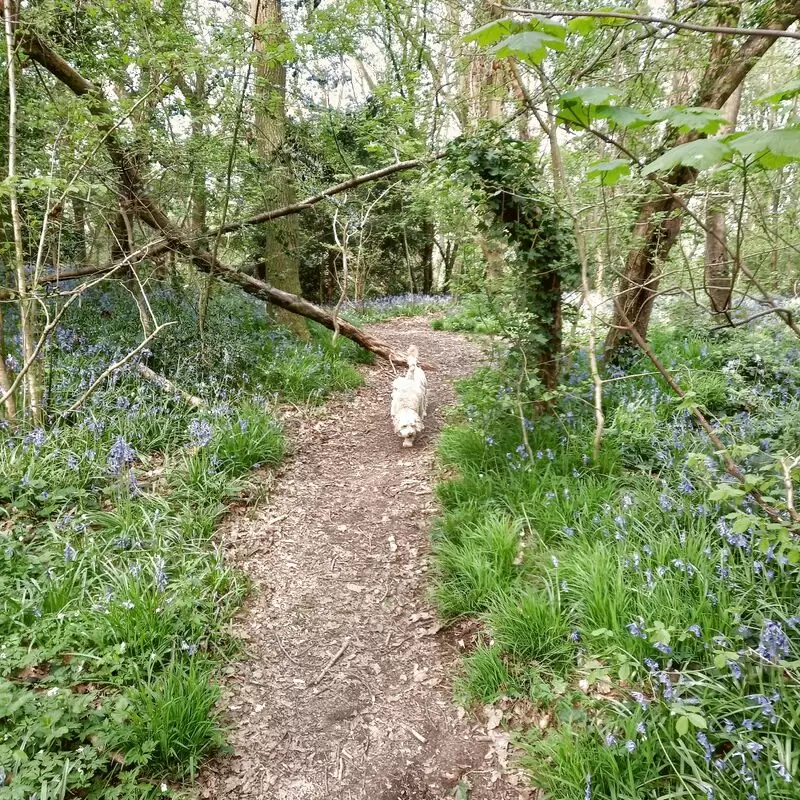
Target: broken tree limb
<point x="167" y="385"/>
<point x="152" y="215"/>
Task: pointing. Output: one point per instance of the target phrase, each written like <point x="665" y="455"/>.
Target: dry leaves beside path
<point x="348" y="689"/>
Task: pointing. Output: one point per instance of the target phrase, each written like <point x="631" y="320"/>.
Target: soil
<point x="347" y="687"/>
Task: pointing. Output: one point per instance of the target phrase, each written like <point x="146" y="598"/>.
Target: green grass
<point x="635" y="573"/>
<point x="115" y="600"/>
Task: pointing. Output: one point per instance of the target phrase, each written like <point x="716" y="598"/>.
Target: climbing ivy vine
<point x="516" y="211"/>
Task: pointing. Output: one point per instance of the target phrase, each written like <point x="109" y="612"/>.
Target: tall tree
<point x="281" y="237"/>
<point x="659" y="217"/>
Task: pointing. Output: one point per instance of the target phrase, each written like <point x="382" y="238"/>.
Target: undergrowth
<point x="643" y="603"/>
<point x="380" y="309"/>
<point x="115" y="596"/>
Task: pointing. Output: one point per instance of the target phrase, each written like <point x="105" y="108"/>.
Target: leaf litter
<point x="346" y="687"/>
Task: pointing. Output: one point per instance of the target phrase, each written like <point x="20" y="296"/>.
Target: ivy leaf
<point x="685" y="119"/>
<point x="623" y="116"/>
<point x="787" y="92"/>
<point x="493" y="32"/>
<point x="700" y="154"/>
<point x="771" y="149"/>
<point x="530" y="46"/>
<point x="609" y="172"/>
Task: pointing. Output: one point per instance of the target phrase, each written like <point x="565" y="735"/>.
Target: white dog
<point x="409" y="400"/>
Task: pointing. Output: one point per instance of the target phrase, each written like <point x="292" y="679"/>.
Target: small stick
<point x="787" y="482"/>
<point x="418" y="736"/>
<point x="335" y="658"/>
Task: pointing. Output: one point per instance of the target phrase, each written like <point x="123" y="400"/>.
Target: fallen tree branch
<point x="670" y="23"/>
<point x="167" y="385"/>
<point x="114" y="367"/>
<point x="151" y="214"/>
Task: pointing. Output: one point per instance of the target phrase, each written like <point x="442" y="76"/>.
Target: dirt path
<point x="348" y="690"/>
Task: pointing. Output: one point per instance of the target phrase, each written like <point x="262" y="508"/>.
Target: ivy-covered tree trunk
<point x="281" y="237"/>
<point x="660" y="216"/>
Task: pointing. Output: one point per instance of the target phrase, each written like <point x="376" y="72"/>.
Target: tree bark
<point x="427" y="257"/>
<point x="659" y="219"/>
<point x="281" y="240"/>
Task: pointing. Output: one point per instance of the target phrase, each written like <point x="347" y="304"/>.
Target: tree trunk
<point x="659" y="219"/>
<point x="79" y="221"/>
<point x="719" y="268"/>
<point x="427" y="257"/>
<point x="281" y="243"/>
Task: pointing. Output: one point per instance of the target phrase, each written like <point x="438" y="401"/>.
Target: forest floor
<point x="346" y="690"/>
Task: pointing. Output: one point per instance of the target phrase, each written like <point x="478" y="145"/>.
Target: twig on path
<point x="335" y="658"/>
<point x="280" y="644"/>
<point x="418" y="736"/>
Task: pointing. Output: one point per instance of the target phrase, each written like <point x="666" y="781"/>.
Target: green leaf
<point x="493" y="32"/>
<point x="609" y="172"/>
<point x="691" y="118"/>
<point x="682" y="726"/>
<point x="786" y="92"/>
<point x="698" y="720"/>
<point x="530" y="46"/>
<point x="725" y="491"/>
<point x="590" y="95"/>
<point x="743" y="523"/>
<point x="772" y="149"/>
<point x="582" y="25"/>
<point x="548" y="26"/>
<point x="720" y="661"/>
<point x="623" y="116"/>
<point x="699" y="154"/>
<point x="625" y="672"/>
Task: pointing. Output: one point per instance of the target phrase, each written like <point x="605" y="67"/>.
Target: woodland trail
<point x="347" y="690"/>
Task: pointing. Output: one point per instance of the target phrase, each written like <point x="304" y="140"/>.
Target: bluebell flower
<point x="160" y="575"/>
<point x="643" y="702"/>
<point x="708" y="750"/>
<point x="554" y="559"/>
<point x="686" y="485"/>
<point x="652" y="665"/>
<point x="575" y="636"/>
<point x="69" y="553"/>
<point x="120" y="454"/>
<point x="773" y="642"/>
<point x="664" y="502"/>
<point x="568" y="532"/>
<point x="489" y="441"/>
<point x="587" y="794"/>
<point x="735" y="669"/>
<point x="200" y="432"/>
<point x="36" y="437"/>
<point x="783" y="771"/>
<point x="641" y="728"/>
<point x="696" y="630"/>
<point x="637" y="629"/>
<point x="630" y="745"/>
<point x="610" y="740"/>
